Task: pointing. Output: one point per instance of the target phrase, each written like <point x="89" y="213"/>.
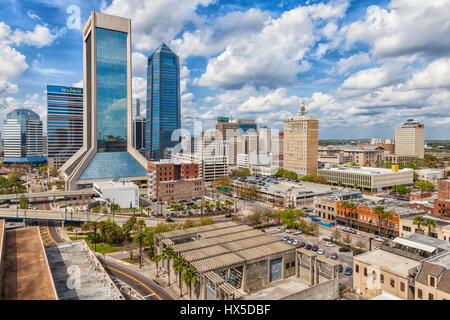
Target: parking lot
<point x="344" y="258"/>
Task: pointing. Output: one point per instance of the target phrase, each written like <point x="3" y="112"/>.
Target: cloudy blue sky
<point x="363" y="66"/>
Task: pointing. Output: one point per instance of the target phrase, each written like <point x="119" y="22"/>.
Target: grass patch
<point x="100" y="247"/>
<point x="134" y="260"/>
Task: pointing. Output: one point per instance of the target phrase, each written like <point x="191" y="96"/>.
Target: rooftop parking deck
<point x="25" y="269"/>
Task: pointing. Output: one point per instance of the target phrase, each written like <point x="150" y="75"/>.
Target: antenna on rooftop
<point x="303" y="108"/>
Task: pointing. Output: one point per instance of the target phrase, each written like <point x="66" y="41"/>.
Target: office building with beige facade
<point x="410" y="139"/>
<point x="369" y="178"/>
<point x="301" y="140"/>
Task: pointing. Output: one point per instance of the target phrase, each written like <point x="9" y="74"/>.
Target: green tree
<point x="289" y="217"/>
<point x="379" y="211"/>
<point x="22" y="202"/>
<point x="189" y="277"/>
<point x="424" y="186"/>
<point x="419" y="221"/>
<point x="430" y="223"/>
<point x="179" y="265"/>
<point x="156" y="258"/>
<point x="222" y="182"/>
<point x="256" y="217"/>
<point x="168" y="255"/>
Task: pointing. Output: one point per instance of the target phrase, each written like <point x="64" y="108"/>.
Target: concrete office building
<point x="211" y="167"/>
<point x="369" y="178"/>
<point x="22" y="137"/>
<point x="107" y="152"/>
<point x="409" y="139"/>
<point x="236" y="262"/>
<point x="265" y="140"/>
<point x="64" y="123"/>
<point x="277" y="149"/>
<point x="163" y="102"/>
<point x="431" y="175"/>
<point x="301" y="140"/>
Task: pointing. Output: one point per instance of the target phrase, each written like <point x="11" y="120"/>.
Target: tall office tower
<point x="139" y="134"/>
<point x="163" y="102"/>
<point x="44" y="143"/>
<point x="226" y="129"/>
<point x="22" y="135"/>
<point x="265" y="140"/>
<point x="107" y="152"/>
<point x="301" y="140"/>
<point x="136" y="108"/>
<point x="409" y="139"/>
<point x="247" y="126"/>
<point x="64" y="123"/>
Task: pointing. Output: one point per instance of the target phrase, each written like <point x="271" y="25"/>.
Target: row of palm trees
<point x="227" y="204"/>
<point x="421" y="221"/>
<point x="180" y="265"/>
<point x="378" y="210"/>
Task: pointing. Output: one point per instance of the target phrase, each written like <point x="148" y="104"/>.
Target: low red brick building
<point x="442" y="203"/>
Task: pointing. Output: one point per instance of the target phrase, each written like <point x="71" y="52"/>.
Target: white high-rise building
<point x="409" y="139"/>
<point x="265" y="140"/>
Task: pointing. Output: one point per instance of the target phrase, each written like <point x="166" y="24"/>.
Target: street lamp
<point x="140" y="250"/>
<point x="95" y="236"/>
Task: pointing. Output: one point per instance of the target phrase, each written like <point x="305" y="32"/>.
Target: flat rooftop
<point x="115" y="184"/>
<point x="26" y="272"/>
<point x="443" y="260"/>
<point x="66" y="259"/>
<point x="282" y="289"/>
<point x="388" y="261"/>
<point x="366" y="170"/>
<point x="430" y="241"/>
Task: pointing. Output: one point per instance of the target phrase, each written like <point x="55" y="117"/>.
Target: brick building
<point x="168" y="180"/>
<point x="442" y="203"/>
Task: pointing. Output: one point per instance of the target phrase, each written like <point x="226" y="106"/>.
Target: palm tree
<point x="189" y="277"/>
<point x="379" y="211"/>
<point x="179" y="265"/>
<point x="168" y="254"/>
<point x="155" y="258"/>
<point x="419" y="221"/>
<point x="346" y="206"/>
<point x="430" y="223"/>
<point x="387" y="216"/>
<point x="228" y="204"/>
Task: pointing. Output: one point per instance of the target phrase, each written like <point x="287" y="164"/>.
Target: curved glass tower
<point x="107" y="151"/>
<point x="163" y="102"/>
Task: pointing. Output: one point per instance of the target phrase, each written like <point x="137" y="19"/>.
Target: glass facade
<point x="111" y="91"/>
<point x="113" y="165"/>
<point x="64" y="122"/>
<point x="163" y="101"/>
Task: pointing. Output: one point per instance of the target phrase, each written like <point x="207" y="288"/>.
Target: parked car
<point x="341" y="268"/>
<point x="302" y="244"/>
<point x="329" y="244"/>
<point x="320" y="251"/>
<point x="228" y="215"/>
<point x="378" y="238"/>
<point x="290" y="241"/>
<point x="170" y="220"/>
<point x="348" y="271"/>
<point x="343" y="249"/>
<point x="295" y="242"/>
<point x="35" y="208"/>
<point x="356" y="252"/>
<point x="288" y="230"/>
<point x="308" y="247"/>
<point x="315" y="248"/>
<point x="334" y="256"/>
<point x="349" y="230"/>
<point x="285" y="238"/>
<point x="298" y="232"/>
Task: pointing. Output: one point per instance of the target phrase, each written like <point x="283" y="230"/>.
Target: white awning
<point x="415" y="245"/>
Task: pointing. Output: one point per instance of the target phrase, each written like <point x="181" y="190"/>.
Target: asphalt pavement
<point x="142" y="288"/>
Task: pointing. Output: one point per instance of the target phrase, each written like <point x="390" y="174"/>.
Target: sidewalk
<point x="149" y="270"/>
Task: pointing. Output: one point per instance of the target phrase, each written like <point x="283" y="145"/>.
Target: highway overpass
<point x="58" y="193"/>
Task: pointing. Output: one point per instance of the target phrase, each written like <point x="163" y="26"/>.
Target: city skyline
<point x="358" y="84"/>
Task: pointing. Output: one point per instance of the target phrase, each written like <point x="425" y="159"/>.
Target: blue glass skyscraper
<point x="163" y="102"/>
<point x="107" y="151"/>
